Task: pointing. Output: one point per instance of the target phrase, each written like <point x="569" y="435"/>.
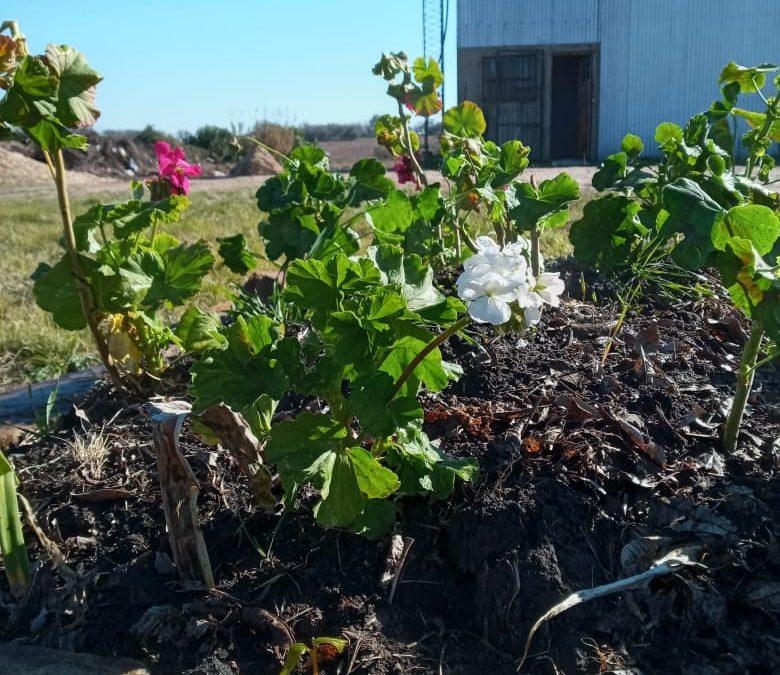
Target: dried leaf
<point x="103" y="495"/>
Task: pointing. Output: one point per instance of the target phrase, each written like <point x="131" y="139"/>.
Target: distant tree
<point x="149" y="135"/>
<point x="217" y="141"/>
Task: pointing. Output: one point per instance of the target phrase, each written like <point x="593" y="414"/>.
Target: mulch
<point x="589" y="473"/>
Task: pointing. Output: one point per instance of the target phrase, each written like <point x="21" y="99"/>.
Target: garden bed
<point x="587" y="475"/>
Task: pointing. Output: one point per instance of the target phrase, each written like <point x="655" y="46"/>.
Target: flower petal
<point x="490" y="310"/>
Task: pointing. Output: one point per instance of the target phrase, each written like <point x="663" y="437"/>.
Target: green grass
<point x="32" y="347"/>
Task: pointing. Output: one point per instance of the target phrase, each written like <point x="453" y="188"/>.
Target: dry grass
<point x="90" y="450"/>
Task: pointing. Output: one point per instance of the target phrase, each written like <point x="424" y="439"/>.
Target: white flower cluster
<point x="498" y="283"/>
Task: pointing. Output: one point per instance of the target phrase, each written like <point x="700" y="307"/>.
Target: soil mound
<point x="256" y="161"/>
<point x="590" y="472"/>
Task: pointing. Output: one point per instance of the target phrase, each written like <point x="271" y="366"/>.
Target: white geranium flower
<point x="497" y="282"/>
<point x="488" y="295"/>
<point x="548" y="286"/>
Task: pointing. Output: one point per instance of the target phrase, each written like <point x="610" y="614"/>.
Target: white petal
<point x="490" y="310"/>
<point x="487" y="244"/>
<point x="550" y="286"/>
<point x="532" y="316"/>
<point x="528" y="298"/>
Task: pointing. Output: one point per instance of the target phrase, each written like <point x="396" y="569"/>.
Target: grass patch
<point x="32" y="347"/>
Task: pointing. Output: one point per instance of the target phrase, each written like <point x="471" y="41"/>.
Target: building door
<point x="512" y="97"/>
<point x="571" y="113"/>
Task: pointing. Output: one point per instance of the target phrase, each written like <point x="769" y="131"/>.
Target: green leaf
<point x="56" y="291"/>
<point x="370" y="181"/>
<point x="393" y="216"/>
<point x="611" y="171"/>
<point x="310" y="154"/>
<point x="76" y="95"/>
<point x="12" y="546"/>
<point x="379" y="416"/>
<point x="632" y="145"/>
<point x="291" y="234"/>
<point x="750" y="79"/>
<point x="183" y="270"/>
<point x="427" y="71"/>
<point x="756" y="224"/>
<point x="668" y="135"/>
<point x="376" y="520"/>
<point x="757" y="120"/>
<point x="423" y="469"/>
<point x="410" y="273"/>
<point x="310" y="284"/>
<point x="513" y="159"/>
<point x="297" y="446"/>
<point x="199" y="331"/>
<point x="355" y="477"/>
<point x="429" y="371"/>
<point x="607" y="232"/>
<point x="751" y="282"/>
<point x="536" y="207"/>
<point x="391" y="65"/>
<point x="34" y="78"/>
<point x="465" y="120"/>
<point x="52" y="136"/>
<point x="234" y="252"/>
<point x="693" y="213"/>
<point x="294" y="655"/>
<point x="245" y="370"/>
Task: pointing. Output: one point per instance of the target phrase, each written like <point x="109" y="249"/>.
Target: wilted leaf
<point x="76" y="94"/>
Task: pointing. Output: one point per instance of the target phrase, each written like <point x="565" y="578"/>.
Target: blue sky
<point x="182" y="64"/>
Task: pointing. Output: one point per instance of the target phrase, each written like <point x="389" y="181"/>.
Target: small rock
<point x="33" y="660"/>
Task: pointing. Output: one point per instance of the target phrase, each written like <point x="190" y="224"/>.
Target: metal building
<point x="571" y="77"/>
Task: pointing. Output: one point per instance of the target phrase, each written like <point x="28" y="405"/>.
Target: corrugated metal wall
<point x="659" y="59"/>
<point x="488" y="23"/>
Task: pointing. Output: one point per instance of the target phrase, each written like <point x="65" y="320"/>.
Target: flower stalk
<point x="408" y="145"/>
<point x="747" y="370"/>
<point x="417" y="360"/>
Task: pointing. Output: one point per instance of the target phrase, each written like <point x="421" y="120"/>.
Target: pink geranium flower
<point x="405" y="171"/>
<point x="172" y="167"/>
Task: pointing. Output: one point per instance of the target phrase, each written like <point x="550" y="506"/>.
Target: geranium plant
<point x="482" y="175"/>
<point x="699" y="209"/>
<point x="360" y="441"/>
<point x="117" y="269"/>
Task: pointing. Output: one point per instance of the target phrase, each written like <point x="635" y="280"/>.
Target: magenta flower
<point x="172" y="167"/>
<point x="405" y="171"/>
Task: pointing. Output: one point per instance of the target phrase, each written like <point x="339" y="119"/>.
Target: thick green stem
<point x="85" y="293"/>
<point x="441" y="337"/>
<point x="408" y="143"/>
<point x="745" y="375"/>
<point x="769" y="119"/>
<point x="535" y="250"/>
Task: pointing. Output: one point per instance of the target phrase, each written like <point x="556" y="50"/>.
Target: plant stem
<point x="85" y="292"/>
<point x="535" y="250"/>
<point x="769" y="119"/>
<point x="408" y="143"/>
<point x="441" y="337"/>
<point x="744" y="383"/>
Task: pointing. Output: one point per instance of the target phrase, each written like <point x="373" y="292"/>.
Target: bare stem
<point x="408" y="143"/>
<point x="744" y="384"/>
<point x="441" y="337"/>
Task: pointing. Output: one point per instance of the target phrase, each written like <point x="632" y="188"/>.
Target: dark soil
<point x="588" y="475"/>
